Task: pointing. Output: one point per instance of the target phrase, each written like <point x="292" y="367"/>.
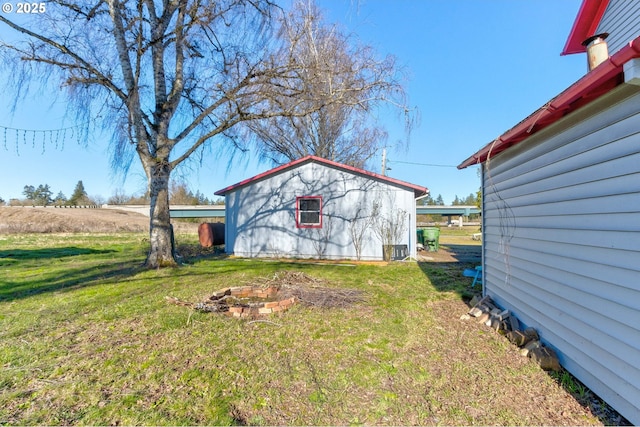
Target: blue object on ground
<point x="476" y="273"/>
<point x="478" y="277"/>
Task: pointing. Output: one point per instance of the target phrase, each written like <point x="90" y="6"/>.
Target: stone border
<point x="253" y="309"/>
<point x="504" y="322"/>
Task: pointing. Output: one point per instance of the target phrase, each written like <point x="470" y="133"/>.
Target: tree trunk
<point x="161" y="251"/>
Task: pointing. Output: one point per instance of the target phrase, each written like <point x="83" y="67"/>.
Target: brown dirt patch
<point x="453" y="253"/>
<point x="454" y="249"/>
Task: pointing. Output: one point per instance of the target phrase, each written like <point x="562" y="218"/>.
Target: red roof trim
<point x="596" y="83"/>
<point x="418" y="190"/>
<point x="585" y="25"/>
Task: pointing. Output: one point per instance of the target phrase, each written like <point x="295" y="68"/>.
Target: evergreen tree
<point x="202" y="200"/>
<point x="29" y="192"/>
<point x="38" y="196"/>
<point x="428" y="201"/>
<point x="79" y="195"/>
<point x="60" y="199"/>
<point x="42" y="195"/>
<point x="439" y="200"/>
<point x="470" y="200"/>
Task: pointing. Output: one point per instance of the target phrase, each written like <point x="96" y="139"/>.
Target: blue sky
<point x="476" y="68"/>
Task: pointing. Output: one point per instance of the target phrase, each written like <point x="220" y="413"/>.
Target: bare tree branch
<point x="344" y="84"/>
<point x="79" y="64"/>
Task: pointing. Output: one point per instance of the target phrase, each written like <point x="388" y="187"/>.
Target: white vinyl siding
<point x="561" y="225"/>
<point x="622" y="21"/>
<point x="261" y="217"/>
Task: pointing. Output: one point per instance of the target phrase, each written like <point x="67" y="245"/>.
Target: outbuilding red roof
<point x="585" y="25"/>
<point x="594" y="84"/>
<point x="418" y="190"/>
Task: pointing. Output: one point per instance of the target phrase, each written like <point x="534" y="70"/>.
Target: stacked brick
<point x="264" y="308"/>
<point x="243" y="302"/>
<point x="504" y="322"/>
<point x="253" y="309"/>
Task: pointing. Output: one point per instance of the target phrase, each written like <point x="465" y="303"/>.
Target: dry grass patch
<point x="21" y="220"/>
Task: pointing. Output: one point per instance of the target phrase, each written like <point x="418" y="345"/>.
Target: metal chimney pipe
<point x="597" y="51"/>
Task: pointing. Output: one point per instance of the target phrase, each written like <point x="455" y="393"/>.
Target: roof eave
<point x="585" y="25"/>
<point x="594" y="84"/>
<point x="258" y="177"/>
<point x="418" y="190"/>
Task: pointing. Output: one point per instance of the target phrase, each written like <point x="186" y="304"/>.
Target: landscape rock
<point x="514" y="323"/>
<point x="504" y="314"/>
<point x="546" y="358"/>
<point x="474" y="301"/>
<point x="505" y="323"/>
<point x="518" y="338"/>
<point x="532" y="334"/>
<point x="484" y="317"/>
<point x="529" y="347"/>
<point x="475" y="312"/>
<point x="495" y="323"/>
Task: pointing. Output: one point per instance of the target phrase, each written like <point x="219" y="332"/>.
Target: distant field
<point x="77" y="220"/>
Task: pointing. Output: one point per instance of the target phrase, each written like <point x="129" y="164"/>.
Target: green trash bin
<point x="431" y="238"/>
<point x="420" y="236"/>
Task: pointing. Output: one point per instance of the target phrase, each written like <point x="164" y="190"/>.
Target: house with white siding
<point x="317" y="208"/>
<point x="561" y="212"/>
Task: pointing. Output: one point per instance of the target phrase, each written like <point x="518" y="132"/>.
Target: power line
<point x="423" y="164"/>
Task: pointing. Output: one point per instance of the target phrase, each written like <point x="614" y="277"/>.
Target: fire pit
<point x="246" y="301"/>
<point x="274" y="295"/>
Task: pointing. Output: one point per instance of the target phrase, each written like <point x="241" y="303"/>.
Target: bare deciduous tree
<point x="358" y="227"/>
<point x="389" y="226"/>
<point x="167" y="78"/>
<point x="345" y="82"/>
<point x="322" y="236"/>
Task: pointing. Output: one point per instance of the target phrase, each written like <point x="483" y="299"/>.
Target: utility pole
<point x="384" y="161"/>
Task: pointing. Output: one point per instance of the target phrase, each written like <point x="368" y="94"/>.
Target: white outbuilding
<point x="317" y="208"/>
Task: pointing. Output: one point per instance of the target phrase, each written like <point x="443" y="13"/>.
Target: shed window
<point x="309" y="212"/>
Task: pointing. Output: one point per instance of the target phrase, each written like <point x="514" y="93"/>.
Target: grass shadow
<point x="462" y="253"/>
<point x="444" y="268"/>
<point x="48" y="253"/>
<point x="37" y="278"/>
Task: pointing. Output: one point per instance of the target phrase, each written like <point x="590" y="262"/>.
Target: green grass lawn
<point x="87" y="338"/>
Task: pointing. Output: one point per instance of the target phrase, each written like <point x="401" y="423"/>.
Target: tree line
<point x="42" y="195"/>
<point x="471" y="200"/>
<point x="179" y="194"/>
